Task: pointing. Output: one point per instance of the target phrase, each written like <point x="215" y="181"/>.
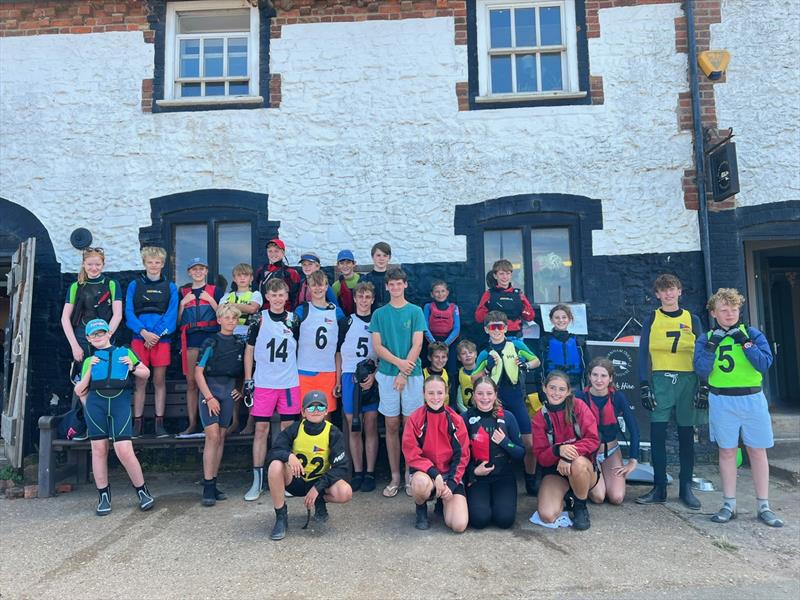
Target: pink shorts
<point x="265" y="400"/>
<point x="157" y="356"/>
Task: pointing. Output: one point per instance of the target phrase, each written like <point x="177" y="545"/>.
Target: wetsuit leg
<point x="658" y="452"/>
<point x="504" y="501"/>
<point x="479" y="503"/>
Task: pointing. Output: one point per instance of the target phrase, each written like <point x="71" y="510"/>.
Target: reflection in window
<point x="551" y="264"/>
<point x="507" y="244"/>
<point x="234" y="246"/>
<point x="188" y="242"/>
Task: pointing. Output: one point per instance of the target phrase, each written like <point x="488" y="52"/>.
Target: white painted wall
<point x="760" y="96"/>
<point x="368" y="143"/>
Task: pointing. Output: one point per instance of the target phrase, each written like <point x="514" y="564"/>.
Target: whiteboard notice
<point x="579" y="325"/>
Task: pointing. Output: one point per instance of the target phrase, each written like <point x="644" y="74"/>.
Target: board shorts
<point x="349" y="389"/>
<point x="221" y="388"/>
<point x="323" y="382"/>
<point x="728" y="415"/>
<point x="391" y="401"/>
<point x="109" y="418"/>
<point x="266" y="400"/>
<point x="675" y="391"/>
<point x="156" y="356"/>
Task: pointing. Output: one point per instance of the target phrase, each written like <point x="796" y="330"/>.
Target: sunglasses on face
<point x="316" y="408"/>
<point x="496" y="326"/>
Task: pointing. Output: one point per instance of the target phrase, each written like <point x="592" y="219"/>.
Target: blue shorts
<point x="392" y="402"/>
<point x="220" y="388"/>
<point x="109" y="418"/>
<point x="348" y="391"/>
<point x="727" y="415"/>
<point x="512" y="397"/>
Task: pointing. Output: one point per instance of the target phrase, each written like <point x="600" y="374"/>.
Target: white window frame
<point x="172" y="54"/>
<point x="569" y="49"/>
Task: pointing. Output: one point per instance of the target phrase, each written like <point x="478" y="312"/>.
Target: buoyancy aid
<point x="197" y="316"/>
<point x="605" y="415"/>
<point x="548" y="425"/>
<point x="151" y="297"/>
<point x="508" y="365"/>
<point x="94" y="300"/>
<point x="481" y="448"/>
<point x="228" y="357"/>
<point x="441" y="322"/>
<point x="242" y="298"/>
<point x="110" y="375"/>
<point x="562" y="353"/>
<point x="507" y="300"/>
<point x="346" y="299"/>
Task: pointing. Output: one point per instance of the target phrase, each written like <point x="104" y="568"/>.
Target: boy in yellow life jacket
<point x="467" y="355"/>
<point x="734" y="359"/>
<point x="308" y="459"/>
<point x="669" y="385"/>
<point x="437" y="356"/>
<point x="505" y="360"/>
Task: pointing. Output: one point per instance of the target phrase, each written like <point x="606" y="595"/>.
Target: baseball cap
<point x="314" y="397"/>
<point x="310" y="256"/>
<point x="196" y="261"/>
<point x="277" y="242"/>
<point x="96" y="325"/>
<point x="345" y="255"/>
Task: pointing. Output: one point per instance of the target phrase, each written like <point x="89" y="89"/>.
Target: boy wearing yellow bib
<point x="308" y="459"/>
<point x="669" y="385"/>
<point x="734" y="358"/>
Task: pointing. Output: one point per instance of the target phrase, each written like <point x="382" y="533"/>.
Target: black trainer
<point x="368" y="484"/>
<point x="146" y="500"/>
<point x="658" y="495"/>
<point x="218" y="493"/>
<point x="438" y="508"/>
<point x="688" y="498"/>
<point x="320" y="509"/>
<point x="357" y="481"/>
<point x="532" y="484"/>
<point x="569" y="500"/>
<point x="281" y="523"/>
<point x="422" y="517"/>
<point x="103" y="504"/>
<point x="580" y="516"/>
<point x="209" y="497"/>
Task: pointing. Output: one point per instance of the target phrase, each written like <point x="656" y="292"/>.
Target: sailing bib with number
<point x="672" y="342"/>
<point x="275" y="354"/>
<point x="313" y="451"/>
<point x="732" y="369"/>
<point x="357" y="344"/>
<point x="319" y="332"/>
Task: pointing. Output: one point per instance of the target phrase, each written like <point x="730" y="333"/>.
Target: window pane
<point x="189" y="241"/>
<point x="551" y="72"/>
<point x="507" y="244"/>
<point x="212" y="57"/>
<point x="552" y="265"/>
<point x="501" y="74"/>
<point x="500" y="28"/>
<point x="550" y="20"/>
<point x="238" y="88"/>
<point x="190" y="58"/>
<point x="234" y="246"/>
<point x="213" y="21"/>
<point x="525" y="26"/>
<point x="526" y="72"/>
<point x="190" y="90"/>
<point x="215" y="89"/>
<point x="237" y="57"/>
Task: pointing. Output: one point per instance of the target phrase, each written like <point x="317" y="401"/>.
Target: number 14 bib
<point x="275" y="354"/>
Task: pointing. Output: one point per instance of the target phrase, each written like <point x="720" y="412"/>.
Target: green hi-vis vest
<point x="237" y="298"/>
<point x="731" y="367"/>
<point x="508" y="363"/>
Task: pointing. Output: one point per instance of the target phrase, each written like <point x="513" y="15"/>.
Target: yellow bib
<point x="243" y="298"/>
<point x="465" y="384"/>
<point x="313" y="451"/>
<point x="672" y="342"/>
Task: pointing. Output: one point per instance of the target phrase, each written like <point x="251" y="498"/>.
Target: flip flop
<point x="390" y="491"/>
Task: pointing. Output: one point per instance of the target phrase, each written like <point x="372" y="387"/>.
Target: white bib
<point x="275" y="354"/>
<point x="357" y="344"/>
<point x="319" y="333"/>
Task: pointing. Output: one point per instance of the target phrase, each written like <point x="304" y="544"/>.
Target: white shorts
<point x="391" y="401"/>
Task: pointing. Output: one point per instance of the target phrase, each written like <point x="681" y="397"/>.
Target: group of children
<point x="285" y="340"/>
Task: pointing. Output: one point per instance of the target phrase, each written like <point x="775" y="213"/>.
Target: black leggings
<point x="492" y="501"/>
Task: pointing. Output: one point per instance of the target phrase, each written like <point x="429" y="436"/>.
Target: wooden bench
<point x="79" y="452"/>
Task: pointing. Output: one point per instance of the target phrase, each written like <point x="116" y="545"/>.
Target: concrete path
<point x="57" y="548"/>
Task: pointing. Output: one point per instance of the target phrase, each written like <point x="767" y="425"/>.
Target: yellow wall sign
<point x="714" y="62"/>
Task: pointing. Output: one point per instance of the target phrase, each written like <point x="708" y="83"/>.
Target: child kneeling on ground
<point x="108" y="411"/>
<point x="308" y="459"/>
<point x="436" y="449"/>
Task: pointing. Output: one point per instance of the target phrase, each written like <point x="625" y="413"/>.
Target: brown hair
<point x="277" y="285"/>
<point x="728" y="296"/>
<point x="468" y="344"/>
<point x="494" y="316"/>
<point x="569" y="401"/>
<point x="502" y="265"/>
<point x="666" y="281"/>
<point x="383" y="247"/>
<point x="364" y="286"/>
<point x="437" y="282"/>
<point x="242" y="269"/>
<point x="317" y="278"/>
<point x="437" y="347"/>
<point x="395" y="275"/>
<point x="88" y="253"/>
<point x="490" y="381"/>
<point x="601" y="361"/>
<point x="563" y="307"/>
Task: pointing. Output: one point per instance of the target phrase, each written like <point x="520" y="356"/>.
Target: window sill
<point x="211" y="101"/>
<point x="544" y="97"/>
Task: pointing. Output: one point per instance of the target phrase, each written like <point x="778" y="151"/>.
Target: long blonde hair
<point x="88" y="253"/>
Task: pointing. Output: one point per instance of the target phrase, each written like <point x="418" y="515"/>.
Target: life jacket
<point x="151" y="297"/>
<point x="732" y="369"/>
<point x="110" y="376"/>
<point x="481" y="441"/>
<point x="281" y="271"/>
<point x="196" y="316"/>
<point x="94" y="301"/>
<point x="441" y="322"/>
<point x="243" y="298"/>
<point x="508" y="365"/>
<point x="313" y="451"/>
<point x="548" y="425"/>
<point x="423" y="430"/>
<point x="606" y="416"/>
<point x="562" y="355"/>
<point x="507" y="300"/>
<point x="228" y="357"/>
<point x="346" y="299"/>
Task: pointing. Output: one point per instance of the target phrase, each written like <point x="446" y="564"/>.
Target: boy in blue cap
<point x="105" y="375"/>
<point x="344" y="287"/>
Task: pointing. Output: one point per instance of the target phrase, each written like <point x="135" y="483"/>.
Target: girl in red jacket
<point x="564" y="441"/>
<point x="436" y="449"/>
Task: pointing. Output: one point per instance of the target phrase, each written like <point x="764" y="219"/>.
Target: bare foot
<point x="248" y="430"/>
<point x="192" y="428"/>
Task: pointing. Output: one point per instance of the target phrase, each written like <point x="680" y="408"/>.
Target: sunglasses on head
<point x="91" y="250"/>
<point x="316" y="408"/>
<point x="496" y="326"/>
